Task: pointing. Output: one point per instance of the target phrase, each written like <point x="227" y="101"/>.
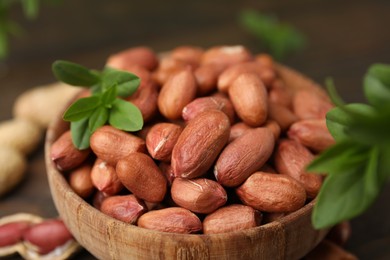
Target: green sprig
<point x="89" y="113"/>
<point x="358" y="165"/>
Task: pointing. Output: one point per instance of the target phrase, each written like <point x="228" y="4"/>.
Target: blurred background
<point x="342" y="39"/>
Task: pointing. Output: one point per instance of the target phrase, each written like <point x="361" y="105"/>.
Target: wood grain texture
<point x="106" y="238"/>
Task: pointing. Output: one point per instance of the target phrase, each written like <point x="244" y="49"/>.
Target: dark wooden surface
<point x="345" y="37"/>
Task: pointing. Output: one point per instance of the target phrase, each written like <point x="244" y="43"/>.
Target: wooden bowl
<point x="107" y="238"/>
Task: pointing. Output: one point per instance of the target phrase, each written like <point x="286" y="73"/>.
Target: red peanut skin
<point x="244" y="156"/>
<point x="12" y="233"/>
<point x="291" y="158"/>
<point x="200" y="143"/>
<point x="127" y="208"/>
<point x="174" y="220"/>
<point x="111" y="144"/>
<point x="139" y="174"/>
<point x="65" y="155"/>
<point x="198" y="195"/>
<point x="47" y="235"/>
<point x="249" y="98"/>
<point x="202" y="104"/>
<point x="271" y="192"/>
<point x="161" y="139"/>
<point x="231" y="218"/>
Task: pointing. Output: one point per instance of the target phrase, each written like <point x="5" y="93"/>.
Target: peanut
<point x="238" y="130"/>
<point x="206" y="77"/>
<point x="312" y="133"/>
<point x="13" y="167"/>
<point x="249" y="97"/>
<point x="176" y="93"/>
<point x="104" y="178"/>
<point x="169" y="66"/>
<point x="65" y="155"/>
<point x="225" y="56"/>
<point x="21" y="134"/>
<point x="280" y="94"/>
<point x="244" y="156"/>
<point x="139" y="174"/>
<point x="111" y="144"/>
<point x="47" y="236"/>
<point x="200" y="143"/>
<point x="310" y="105"/>
<point x="291" y="158"/>
<point x="142" y="56"/>
<point x="12" y="233"/>
<point x="161" y="139"/>
<point x="80" y="181"/>
<point x="272" y="192"/>
<point x="127" y="208"/>
<point x="198" y="195"/>
<point x="190" y="54"/>
<point x="174" y="220"/>
<point x="274" y="127"/>
<point x="231" y="218"/>
<point x="281" y="115"/>
<point x="202" y="104"/>
<point x="145" y="98"/>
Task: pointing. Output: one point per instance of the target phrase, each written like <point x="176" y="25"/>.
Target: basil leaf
<point x="339" y="158"/>
<point x="336" y="129"/>
<point x="98" y="118"/>
<point x="345" y="195"/>
<point x="381" y="72"/>
<point x="80" y="133"/>
<point x="125" y="82"/>
<point x="81" y="108"/>
<point x="125" y="116"/>
<point x="376" y="92"/>
<point x="74" y="74"/>
<point x="109" y="96"/>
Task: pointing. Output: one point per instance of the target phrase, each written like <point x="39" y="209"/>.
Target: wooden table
<point x="345" y="37"/>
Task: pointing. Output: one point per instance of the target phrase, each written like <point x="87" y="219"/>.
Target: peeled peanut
<point x="141" y="55"/>
<point x="312" y="133"/>
<point x="291" y="158"/>
<point x="104" y="178"/>
<point x="231" y="218"/>
<point x="161" y="139"/>
<point x="127" y="208"/>
<point x="226" y="55"/>
<point x="139" y="174"/>
<point x="41" y="104"/>
<point x="80" y="181"/>
<point x="13" y="167"/>
<point x="65" y="155"/>
<point x="47" y="236"/>
<point x="249" y="97"/>
<point x="176" y="93"/>
<point x="202" y="104"/>
<point x="244" y="156"/>
<point x="310" y="105"/>
<point x="173" y="220"/>
<point x="111" y="144"/>
<point x="21" y="134"/>
<point x="271" y="192"/>
<point x="198" y="195"/>
<point x="200" y="143"/>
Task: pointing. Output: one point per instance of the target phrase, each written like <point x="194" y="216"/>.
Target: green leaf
<point x="376" y="92"/>
<point x="80" y="133"/>
<point x="81" y="108"/>
<point x="381" y="72"/>
<point x="125" y="116"/>
<point x="74" y="74"/>
<point x="98" y="118"/>
<point x="109" y="96"/>
<point x="338" y="158"/>
<point x="346" y="195"/>
<point x="3" y="42"/>
<point x="125" y="82"/>
<point x="30" y="8"/>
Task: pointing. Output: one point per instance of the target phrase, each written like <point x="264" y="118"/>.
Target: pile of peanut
<point x="35" y="238"/>
<point x="224" y="146"/>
